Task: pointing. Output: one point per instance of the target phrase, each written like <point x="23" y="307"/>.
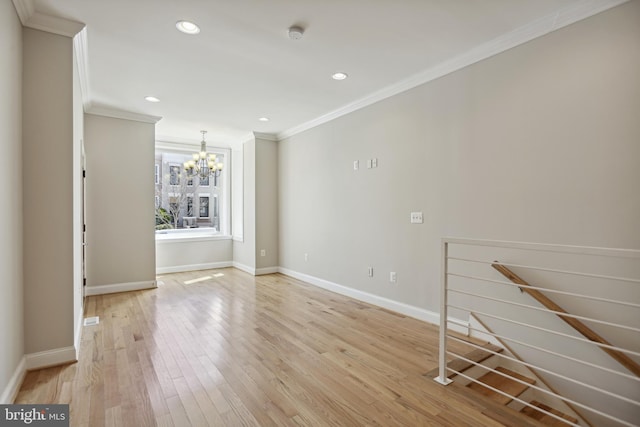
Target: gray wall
<point x="11" y="280"/>
<point x="539" y="143"/>
<point x="120" y="202"/>
<point x="266" y="183"/>
<point x="47" y="211"/>
<point x="244" y="253"/>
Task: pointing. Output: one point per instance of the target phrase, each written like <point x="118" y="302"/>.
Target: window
<point x="174" y="175"/>
<point x="204" y="206"/>
<point x="157" y="174"/>
<point x="190" y="205"/>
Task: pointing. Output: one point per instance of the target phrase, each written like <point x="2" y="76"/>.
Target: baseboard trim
<point x="399" y="307"/>
<point x="47" y="358"/>
<point x="119" y="287"/>
<point x="244" y="268"/>
<point x="266" y="270"/>
<point x="13" y="387"/>
<point x="194" y="267"/>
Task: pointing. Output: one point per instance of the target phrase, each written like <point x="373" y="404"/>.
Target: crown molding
<point x="53" y="24"/>
<point x="82" y="55"/>
<point x="24" y="9"/>
<point x="265" y="136"/>
<point x="122" y="114"/>
<point x="521" y="35"/>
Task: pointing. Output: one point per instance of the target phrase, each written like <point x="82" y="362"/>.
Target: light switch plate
<point x="356" y="165"/>
<point x="416" y="218"/>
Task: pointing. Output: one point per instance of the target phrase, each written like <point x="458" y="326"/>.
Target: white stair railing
<point x="600" y="287"/>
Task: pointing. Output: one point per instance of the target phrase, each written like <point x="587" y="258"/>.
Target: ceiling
<point x="242" y="65"/>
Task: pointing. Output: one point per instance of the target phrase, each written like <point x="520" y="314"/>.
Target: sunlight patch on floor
<point x="199" y="279"/>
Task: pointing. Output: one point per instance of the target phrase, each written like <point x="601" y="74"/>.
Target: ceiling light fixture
<point x="151" y="99"/>
<point x="187" y="27"/>
<point x="203" y="165"/>
<point x="264" y="119"/>
<point x="339" y="76"/>
<point x="295" y="32"/>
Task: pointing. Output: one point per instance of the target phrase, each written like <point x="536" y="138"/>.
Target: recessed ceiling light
<point x="264" y="119"/>
<point x="339" y="76"/>
<point x="151" y="99"/>
<point x="187" y="27"/>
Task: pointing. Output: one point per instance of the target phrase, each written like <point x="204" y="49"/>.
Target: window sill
<point x="190" y="236"/>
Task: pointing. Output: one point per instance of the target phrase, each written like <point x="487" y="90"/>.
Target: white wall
<point x="119" y="204"/>
<point x="78" y="135"/>
<point x="237" y="191"/>
<point x="539" y="143"/>
<point x="11" y="293"/>
<point x="193" y="253"/>
<point x="47" y="210"/>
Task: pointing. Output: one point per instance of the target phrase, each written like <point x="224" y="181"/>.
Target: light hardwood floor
<point x="238" y="350"/>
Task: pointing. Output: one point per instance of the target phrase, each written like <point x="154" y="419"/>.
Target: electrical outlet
<point x="369" y="163"/>
<point x="393" y="278"/>
<point x="370" y="271"/>
<point x="416" y="218"/>
<point x="263" y="252"/>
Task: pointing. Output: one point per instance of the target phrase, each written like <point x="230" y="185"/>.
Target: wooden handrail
<point x="589" y="333"/>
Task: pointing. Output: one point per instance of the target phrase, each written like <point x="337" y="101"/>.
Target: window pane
<point x="174" y="175"/>
<point x="204" y="207"/>
<point x="189" y="203"/>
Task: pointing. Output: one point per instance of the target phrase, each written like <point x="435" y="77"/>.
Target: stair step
<point x="545" y="418"/>
<point x="505" y="384"/>
<point x="476" y="355"/>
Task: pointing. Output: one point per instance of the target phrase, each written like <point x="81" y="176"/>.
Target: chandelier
<point x="203" y="165"/>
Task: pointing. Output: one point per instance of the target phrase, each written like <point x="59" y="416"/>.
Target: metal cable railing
<point x="570" y="363"/>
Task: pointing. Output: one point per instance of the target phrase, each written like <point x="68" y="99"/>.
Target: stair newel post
<point x="442" y="358"/>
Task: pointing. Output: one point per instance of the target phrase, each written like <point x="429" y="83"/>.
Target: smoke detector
<point x="295" y="32"/>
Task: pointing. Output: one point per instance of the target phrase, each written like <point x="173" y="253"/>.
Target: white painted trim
<point x="10" y="392"/>
<point x="194" y="267"/>
<point x="177" y="237"/>
<point x="248" y="138"/>
<point x="119" y="287"/>
<point x="399" y="307"/>
<point x="244" y="268"/>
<point x="265" y="136"/>
<point x="82" y="62"/>
<point x="122" y="114"/>
<point x="25" y="9"/>
<point x="170" y="143"/>
<point x="57" y="356"/>
<point x="78" y="338"/>
<point x="266" y="270"/>
<point x="238" y="238"/>
<point x="54" y="24"/>
<point x="569" y="15"/>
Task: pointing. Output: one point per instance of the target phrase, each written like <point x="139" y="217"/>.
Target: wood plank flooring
<point x="238" y="350"/>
